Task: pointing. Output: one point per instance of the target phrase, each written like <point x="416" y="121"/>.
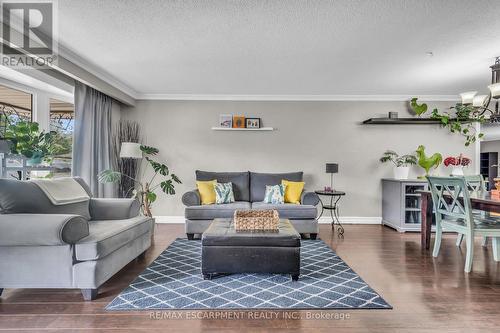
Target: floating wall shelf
<point x="404" y="121"/>
<point x="242" y="129"/>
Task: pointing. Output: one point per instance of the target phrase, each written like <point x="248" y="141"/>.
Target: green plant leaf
<point x="151" y="196"/>
<point x="148" y="150"/>
<point x="176" y="179"/>
<point x="162" y="169"/>
<point x="167" y="187"/>
<point x="109" y="176"/>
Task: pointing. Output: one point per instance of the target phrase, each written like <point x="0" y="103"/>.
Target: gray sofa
<point x="79" y="245"/>
<point x="249" y="189"/>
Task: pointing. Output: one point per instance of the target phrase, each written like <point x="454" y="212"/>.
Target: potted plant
<point x="457" y="163"/>
<point x="461" y="121"/>
<point x="37" y="146"/>
<point x="401" y="163"/>
<point x="145" y="191"/>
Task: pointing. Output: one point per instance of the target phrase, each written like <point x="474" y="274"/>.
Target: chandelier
<point x="482" y="102"/>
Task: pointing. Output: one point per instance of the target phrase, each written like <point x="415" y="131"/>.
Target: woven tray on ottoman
<point x="256" y="220"/>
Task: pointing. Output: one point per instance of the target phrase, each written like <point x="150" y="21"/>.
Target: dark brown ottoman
<point x="226" y="251"/>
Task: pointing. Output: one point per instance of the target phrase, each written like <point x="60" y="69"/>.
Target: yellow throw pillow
<point x="207" y="191"/>
<point x="293" y="191"/>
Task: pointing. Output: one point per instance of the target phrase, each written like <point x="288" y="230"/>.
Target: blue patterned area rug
<point x="174" y="281"/>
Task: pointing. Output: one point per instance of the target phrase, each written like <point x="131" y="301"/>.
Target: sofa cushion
<point x="22" y="197"/>
<point x="240" y="180"/>
<point x="109" y="235"/>
<point x="209" y="212"/>
<point x="258" y="182"/>
<point x="289" y="211"/>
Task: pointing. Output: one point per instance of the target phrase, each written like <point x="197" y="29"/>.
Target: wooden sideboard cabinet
<point x="401" y="203"/>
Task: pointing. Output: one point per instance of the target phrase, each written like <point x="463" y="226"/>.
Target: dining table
<point x="480" y="200"/>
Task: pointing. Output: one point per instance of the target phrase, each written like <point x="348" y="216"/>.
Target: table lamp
<point x="131" y="150"/>
<point x="332" y="168"/>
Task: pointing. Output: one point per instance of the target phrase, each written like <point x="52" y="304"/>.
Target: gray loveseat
<point x="79" y="245"/>
<point x="249" y="189"/>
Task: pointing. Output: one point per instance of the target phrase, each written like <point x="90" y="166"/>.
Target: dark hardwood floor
<point x="427" y="294"/>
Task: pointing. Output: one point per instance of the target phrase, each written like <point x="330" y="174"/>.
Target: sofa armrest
<point x="309" y="198"/>
<point x="41" y="229"/>
<point x="191" y="198"/>
<point x="114" y="209"/>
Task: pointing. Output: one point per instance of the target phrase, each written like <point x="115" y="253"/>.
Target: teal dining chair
<point x="453" y="211"/>
<point x="475" y="183"/>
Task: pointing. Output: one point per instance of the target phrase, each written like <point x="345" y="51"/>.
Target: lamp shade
<point x="468" y="97"/>
<point x="495" y="90"/>
<point x="130" y="150"/>
<point x="479" y="100"/>
<point x="332" y="168"/>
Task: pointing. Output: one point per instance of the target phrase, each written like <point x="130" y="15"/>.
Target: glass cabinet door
<point x="412" y="203"/>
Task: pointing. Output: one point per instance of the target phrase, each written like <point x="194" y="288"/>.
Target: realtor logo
<point x="28" y="33"/>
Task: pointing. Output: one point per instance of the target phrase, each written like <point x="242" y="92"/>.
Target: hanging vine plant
<point x="461" y="120"/>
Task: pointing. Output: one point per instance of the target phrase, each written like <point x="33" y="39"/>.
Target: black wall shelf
<point x="402" y="121"/>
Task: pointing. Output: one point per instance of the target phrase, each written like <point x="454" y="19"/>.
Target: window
<point x="62" y="121"/>
<point x="53" y="115"/>
<point x="15" y="105"/>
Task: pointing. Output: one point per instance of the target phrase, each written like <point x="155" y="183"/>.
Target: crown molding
<point x="299" y="98"/>
<point x="75" y="67"/>
<point x="96" y="71"/>
<point x="31" y="79"/>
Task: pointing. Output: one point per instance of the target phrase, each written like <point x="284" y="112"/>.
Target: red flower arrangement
<point x="457" y="161"/>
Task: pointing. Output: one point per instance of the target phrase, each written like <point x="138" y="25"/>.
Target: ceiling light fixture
<point x="482" y="102"/>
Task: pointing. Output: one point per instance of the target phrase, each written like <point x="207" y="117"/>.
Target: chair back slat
<point x="475" y="183"/>
<point x="450" y="196"/>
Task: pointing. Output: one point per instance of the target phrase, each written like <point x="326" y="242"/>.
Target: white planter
<point x="401" y="172"/>
<point x="457" y="171"/>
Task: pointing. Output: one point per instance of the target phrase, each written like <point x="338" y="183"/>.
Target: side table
<point x="333" y="207"/>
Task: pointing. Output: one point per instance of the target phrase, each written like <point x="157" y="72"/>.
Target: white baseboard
<point x="323" y="219"/>
<point x="353" y="220"/>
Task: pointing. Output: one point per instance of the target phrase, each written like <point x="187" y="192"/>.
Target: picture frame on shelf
<point x="239" y="122"/>
<point x="252" y="122"/>
<point x="226" y="120"/>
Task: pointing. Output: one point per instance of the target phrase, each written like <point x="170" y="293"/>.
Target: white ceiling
<point x="292" y="47"/>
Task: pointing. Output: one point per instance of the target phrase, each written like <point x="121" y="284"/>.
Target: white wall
<point x="308" y="135"/>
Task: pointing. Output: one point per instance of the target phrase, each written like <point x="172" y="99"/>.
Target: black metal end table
<point x="333" y="207"/>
